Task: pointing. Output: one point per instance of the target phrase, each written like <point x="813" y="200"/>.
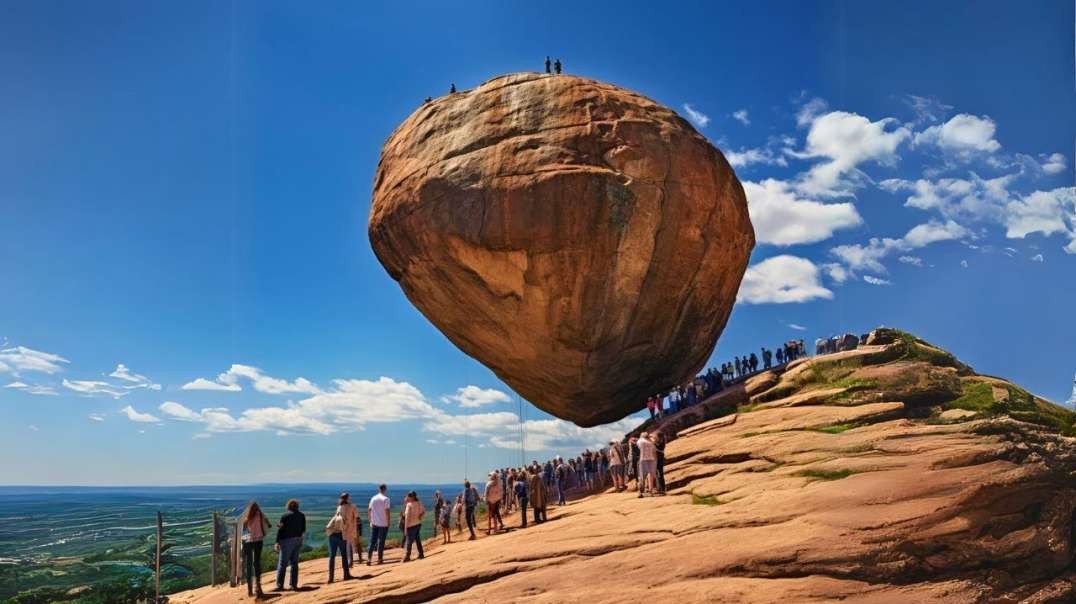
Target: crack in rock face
<point x="582" y="241"/>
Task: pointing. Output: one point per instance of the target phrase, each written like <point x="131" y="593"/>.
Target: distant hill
<point x="889" y="473"/>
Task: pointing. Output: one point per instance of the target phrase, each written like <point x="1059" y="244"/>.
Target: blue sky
<point x="184" y="188"/>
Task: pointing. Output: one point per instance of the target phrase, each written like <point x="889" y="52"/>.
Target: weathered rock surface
<point x="582" y="241"/>
<point x="842" y="500"/>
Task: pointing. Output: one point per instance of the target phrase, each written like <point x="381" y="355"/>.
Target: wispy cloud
<point x="473" y="396"/>
<point x="133" y="380"/>
<point x="699" y="118"/>
<point x="18" y="359"/>
<point x="797" y="327"/>
<point x="38" y="389"/>
<point x="95" y="388"/>
<point x="135" y="416"/>
<point x="876" y="280"/>
<point x="741" y="116"/>
<point x="229" y="381"/>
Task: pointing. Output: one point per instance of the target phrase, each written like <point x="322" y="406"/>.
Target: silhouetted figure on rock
<point x="556" y="66"/>
<point x="452" y="88"/>
<point x="547" y="70"/>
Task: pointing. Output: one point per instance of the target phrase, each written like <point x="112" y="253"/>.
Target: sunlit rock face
<point x="582" y="241"/>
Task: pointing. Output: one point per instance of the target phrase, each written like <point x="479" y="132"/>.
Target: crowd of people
<point x="528" y="490"/>
<point x="715" y="379"/>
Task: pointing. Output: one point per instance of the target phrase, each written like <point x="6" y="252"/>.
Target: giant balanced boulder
<point x="582" y="241"/>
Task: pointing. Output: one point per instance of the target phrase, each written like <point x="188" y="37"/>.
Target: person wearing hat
<point x="494" y="494"/>
<point x="350" y="514"/>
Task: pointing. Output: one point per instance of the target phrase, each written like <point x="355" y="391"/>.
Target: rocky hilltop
<point x="891" y="473"/>
<point x="582" y="241"/>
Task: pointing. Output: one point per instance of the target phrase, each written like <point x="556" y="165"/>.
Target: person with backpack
<point x="412" y="520"/>
<point x="616" y="465"/>
<point x="470" y="502"/>
<point x="494" y="495"/>
<point x="444" y="520"/>
<point x="350" y="514"/>
<point x="335" y="531"/>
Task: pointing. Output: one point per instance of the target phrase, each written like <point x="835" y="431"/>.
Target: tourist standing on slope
<point x="519" y="486"/>
<point x="494" y="495"/>
<point x="439" y="505"/>
<point x="537" y="494"/>
<point x="547" y="63"/>
<point x="335" y="531"/>
<point x="562" y="472"/>
<point x="557" y="66"/>
<point x="470" y="502"/>
<point x="659" y="458"/>
<point x="457" y="511"/>
<point x="379" y="511"/>
<point x="616" y="465"/>
<point x="289" y="540"/>
<point x="255" y="527"/>
<point x="444" y="520"/>
<point x="413" y="513"/>
<point x="647" y="464"/>
<point x="350" y="514"/>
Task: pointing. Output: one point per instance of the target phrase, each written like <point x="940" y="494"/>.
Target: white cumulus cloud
<point x="134" y="380"/>
<point x="781" y="218"/>
<point x="963" y="135"/>
<point x="847" y="140"/>
<point x="782" y="279"/>
<point x="741" y="116"/>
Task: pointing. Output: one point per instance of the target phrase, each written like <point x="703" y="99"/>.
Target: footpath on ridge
<point x="891" y="473"/>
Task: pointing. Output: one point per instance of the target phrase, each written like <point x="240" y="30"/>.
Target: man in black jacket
<point x="289" y="540"/>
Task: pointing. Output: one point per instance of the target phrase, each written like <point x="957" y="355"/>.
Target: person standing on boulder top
<point x="556" y="66"/>
<point x="547" y="65"/>
<point x="452" y="88"/>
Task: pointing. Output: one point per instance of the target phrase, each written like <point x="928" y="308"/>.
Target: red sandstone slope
<point x="888" y="474"/>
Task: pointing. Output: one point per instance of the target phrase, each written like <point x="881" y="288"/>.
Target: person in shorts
<point x="648" y="464"/>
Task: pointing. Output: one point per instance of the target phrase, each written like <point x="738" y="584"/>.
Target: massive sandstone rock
<point x="830" y="491"/>
<point x="582" y="241"/>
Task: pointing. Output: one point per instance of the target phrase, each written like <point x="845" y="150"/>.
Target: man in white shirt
<point x="648" y="463"/>
<point x="379" y="511"/>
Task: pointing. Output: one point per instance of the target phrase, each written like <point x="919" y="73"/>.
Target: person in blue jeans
<point x="337" y="545"/>
<point x="289" y="540"/>
<point x="379" y="510"/>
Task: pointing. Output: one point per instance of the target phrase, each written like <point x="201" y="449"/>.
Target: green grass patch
<point x="705" y="500"/>
<point x="748" y="408"/>
<point x="749" y="434"/>
<point x="834" y="429"/>
<point x="977" y="397"/>
<point x="825" y="474"/>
